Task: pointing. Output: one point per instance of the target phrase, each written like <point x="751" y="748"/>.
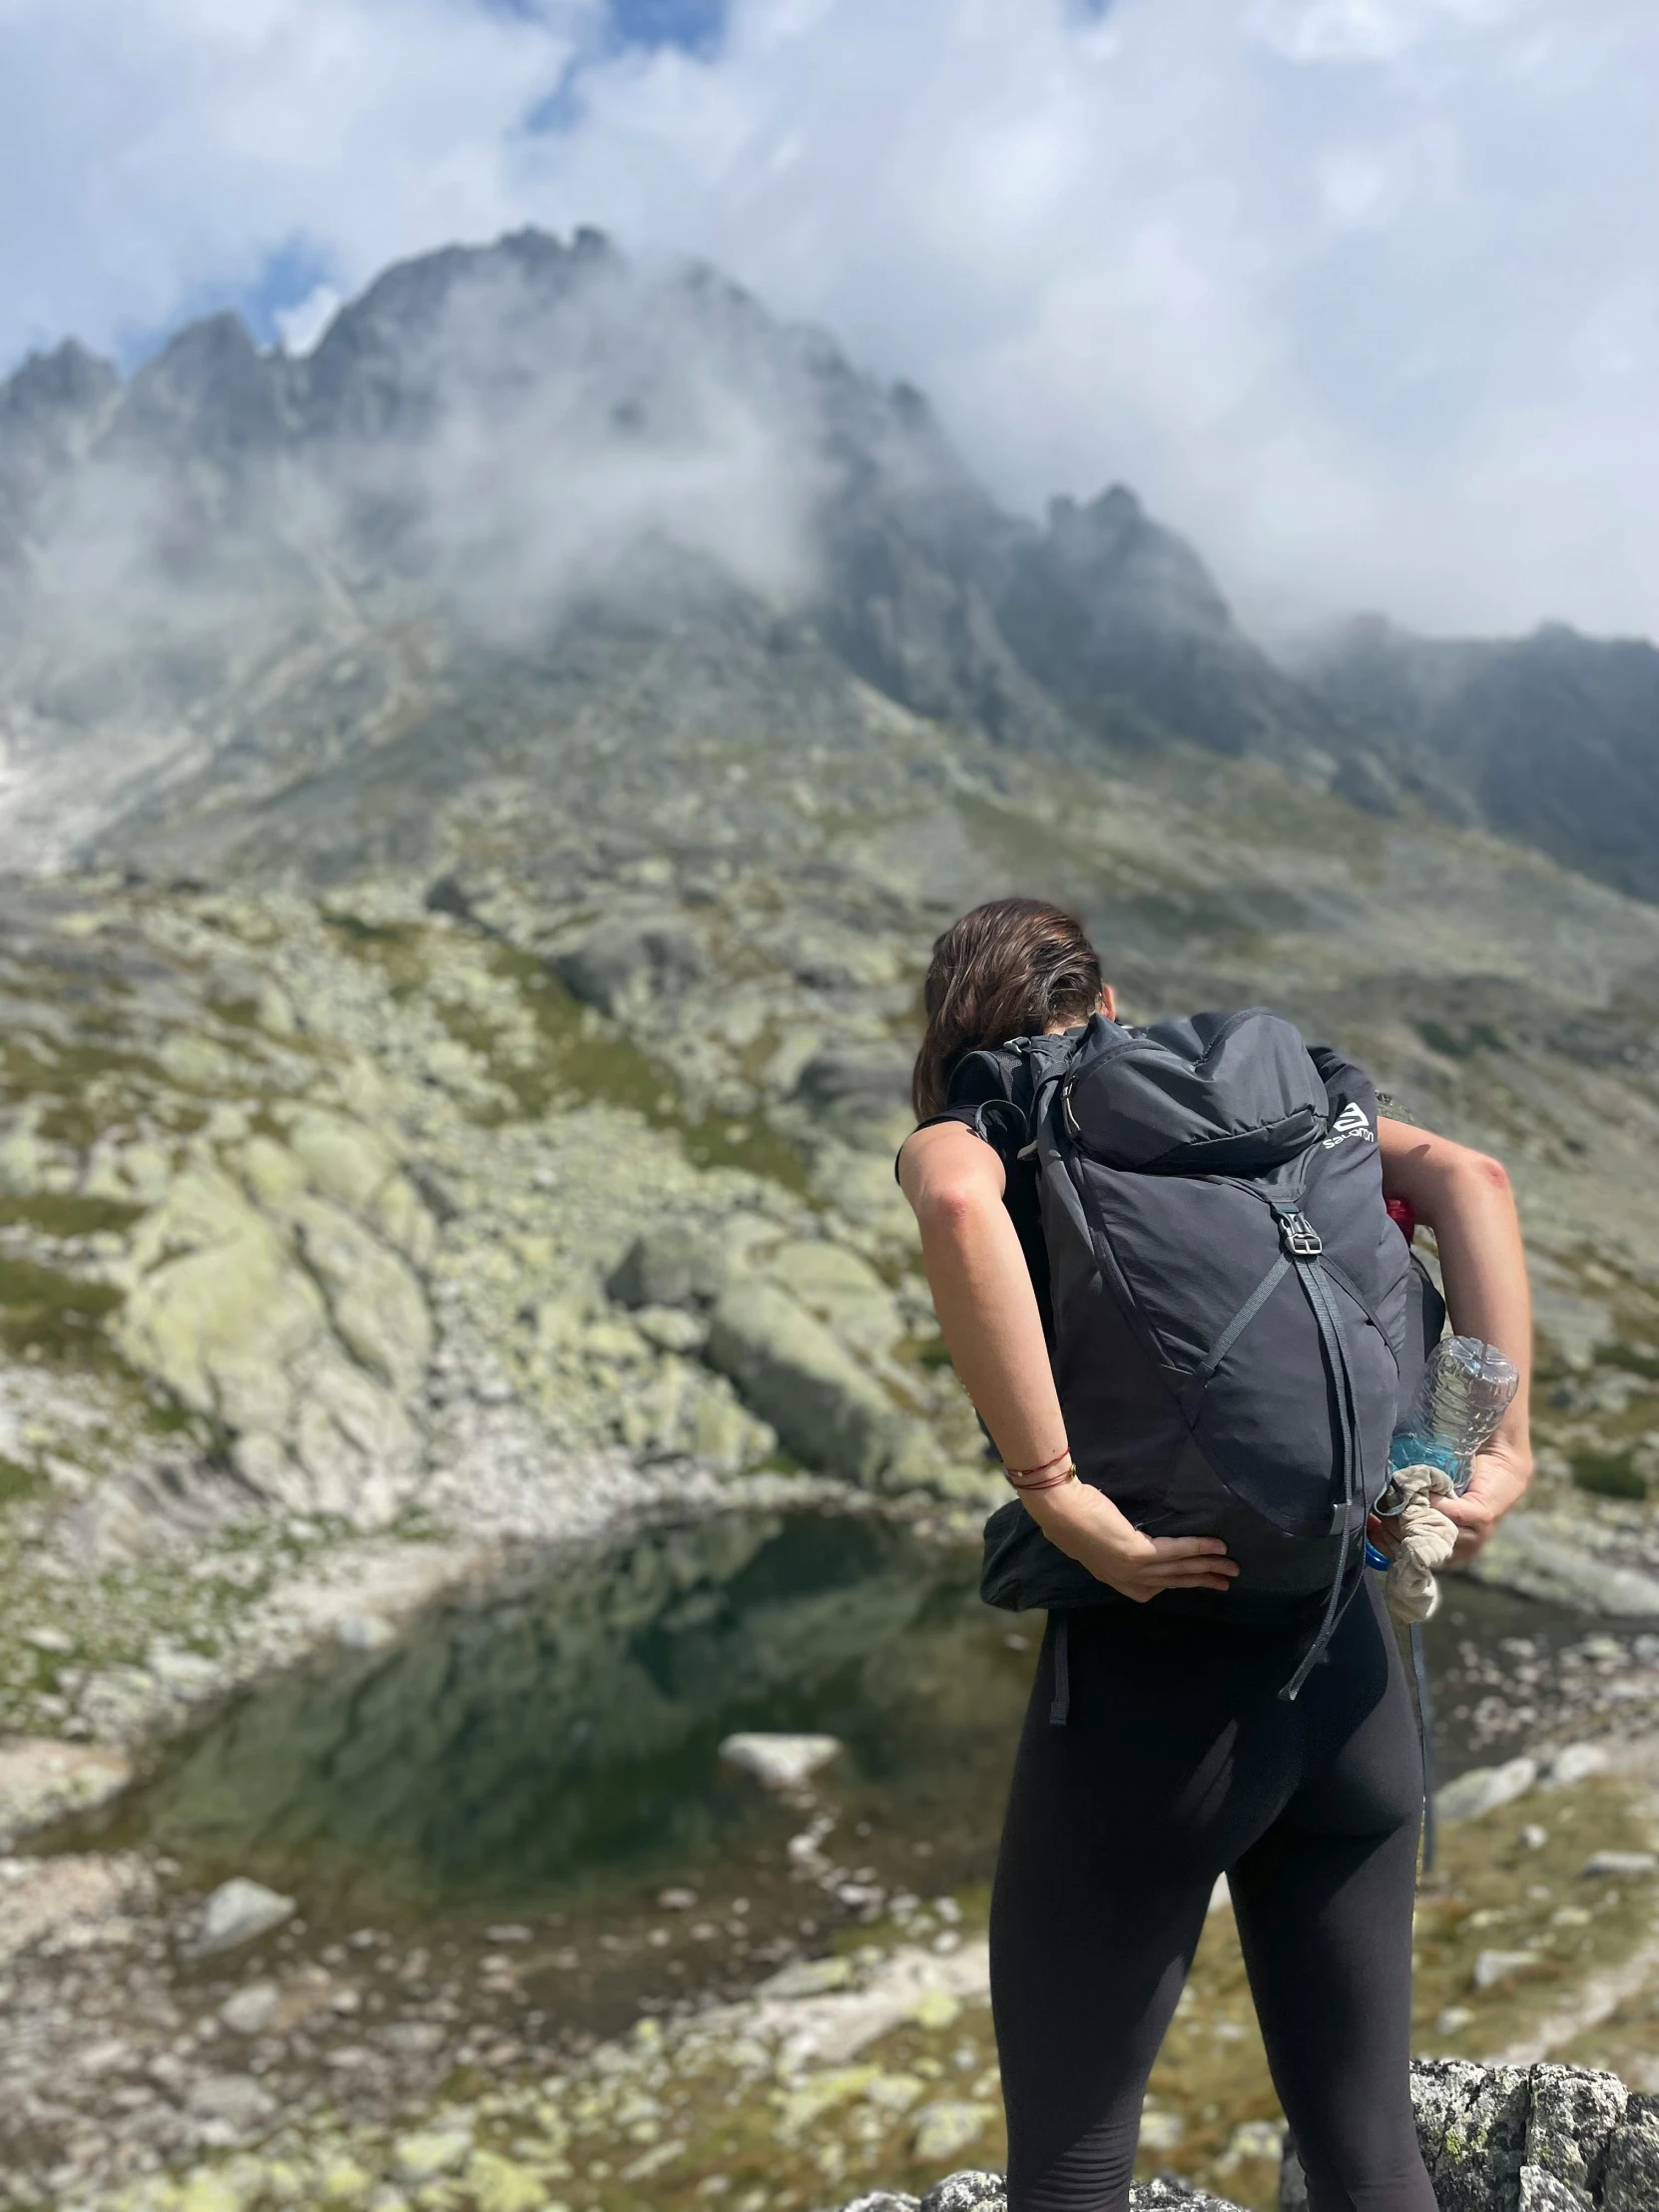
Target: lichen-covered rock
<point x="840" y="1289"/>
<point x="796" y="1375"/>
<point x="375" y="1301"/>
<point x="1472" y="2124"/>
<point x="620" y="968"/>
<point x="1630" y="2177"/>
<point x="973" y="2191"/>
<point x="499" y="2184"/>
<point x="341" y="1158"/>
<point x="969" y="2191"/>
<point x="1167" y="2193"/>
<point x="1542" y="1555"/>
<point x="1483" y="1789"/>
<point x="1541" y="2192"/>
<point x="859" y="1089"/>
<point x="40" y="1780"/>
<point x="218" y="1306"/>
<point x="1573" y="2115"/>
<point x="670" y="1265"/>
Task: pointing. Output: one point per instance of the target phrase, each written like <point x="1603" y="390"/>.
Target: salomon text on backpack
<point x="1233" y="1308"/>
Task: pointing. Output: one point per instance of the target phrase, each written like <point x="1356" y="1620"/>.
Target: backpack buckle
<point x="1298" y="1237"/>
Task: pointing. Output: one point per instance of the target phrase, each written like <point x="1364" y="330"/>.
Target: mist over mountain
<point x="519" y="451"/>
<point x="522" y="446"/>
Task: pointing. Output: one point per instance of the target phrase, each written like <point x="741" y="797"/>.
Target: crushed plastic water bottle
<point x="1464" y="1393"/>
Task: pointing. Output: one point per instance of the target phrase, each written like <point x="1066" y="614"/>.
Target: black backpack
<point x="1235" y="1314"/>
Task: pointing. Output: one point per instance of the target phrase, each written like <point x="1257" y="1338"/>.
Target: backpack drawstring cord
<point x="1304" y="1246"/>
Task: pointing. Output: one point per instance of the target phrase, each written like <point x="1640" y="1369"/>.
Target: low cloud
<point x="533" y="431"/>
<point x="1355" y="292"/>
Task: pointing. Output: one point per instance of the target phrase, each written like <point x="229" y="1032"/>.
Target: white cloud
<point x="1355" y="291"/>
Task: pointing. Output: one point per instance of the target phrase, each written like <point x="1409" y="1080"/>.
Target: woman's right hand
<point x="1084" y="1523"/>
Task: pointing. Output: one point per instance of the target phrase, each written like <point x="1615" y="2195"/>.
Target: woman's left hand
<point x="1501" y="1473"/>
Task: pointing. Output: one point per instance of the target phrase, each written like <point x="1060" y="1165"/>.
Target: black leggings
<point x="1179" y="1762"/>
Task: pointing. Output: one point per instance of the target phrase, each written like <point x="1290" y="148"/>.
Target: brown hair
<point x="1012" y="968"/>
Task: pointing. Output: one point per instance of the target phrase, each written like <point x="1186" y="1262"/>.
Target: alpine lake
<point x="550" y="1752"/>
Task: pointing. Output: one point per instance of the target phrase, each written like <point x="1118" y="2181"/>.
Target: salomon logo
<point x="1351" y="1122"/>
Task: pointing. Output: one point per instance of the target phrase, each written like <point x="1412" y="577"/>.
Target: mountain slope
<point x="1552" y="740"/>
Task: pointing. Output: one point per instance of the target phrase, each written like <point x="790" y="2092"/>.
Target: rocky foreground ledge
<point x="1495" y="2139"/>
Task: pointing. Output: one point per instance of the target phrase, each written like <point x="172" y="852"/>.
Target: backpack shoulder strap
<point x="1050" y="1060"/>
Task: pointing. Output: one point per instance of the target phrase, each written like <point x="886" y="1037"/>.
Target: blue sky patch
<point x="289" y="275"/>
<point x="697" y="25"/>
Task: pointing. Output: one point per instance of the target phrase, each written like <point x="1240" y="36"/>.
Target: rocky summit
<point x="478" y="799"/>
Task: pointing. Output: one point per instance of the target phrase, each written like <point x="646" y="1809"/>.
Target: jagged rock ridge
<point x="517" y="438"/>
<point x="514" y="441"/>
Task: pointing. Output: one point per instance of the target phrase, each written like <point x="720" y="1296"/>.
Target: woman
<point x="1180" y="1761"/>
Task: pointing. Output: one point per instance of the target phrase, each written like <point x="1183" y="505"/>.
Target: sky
<point x="1360" y="295"/>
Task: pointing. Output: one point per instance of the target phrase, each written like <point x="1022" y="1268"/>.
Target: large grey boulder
<point x="829" y="1413"/>
<point x="1574" y="2112"/>
<point x="1485" y="1789"/>
<point x="861" y="1090"/>
<point x="1630" y="2175"/>
<point x="669" y="1265"/>
<point x="620" y="968"/>
<point x="1542" y="1556"/>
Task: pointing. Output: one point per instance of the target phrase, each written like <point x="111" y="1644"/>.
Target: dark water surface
<point x="565" y="1733"/>
<point x="550" y="1751"/>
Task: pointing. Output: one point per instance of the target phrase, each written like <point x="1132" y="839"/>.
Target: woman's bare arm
<point x="1464" y="1197"/>
<point x="993" y="1331"/>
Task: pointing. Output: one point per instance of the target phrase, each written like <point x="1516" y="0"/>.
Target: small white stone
<point x="1632" y="1866"/>
<point x="1575" y="1763"/>
<point x="237" y="1912"/>
<point x="1493" y="1966"/>
<point x="1483" y="1789"/>
<point x="251" y="2011"/>
<point x="363" y="1632"/>
<point x="780" y="1762"/>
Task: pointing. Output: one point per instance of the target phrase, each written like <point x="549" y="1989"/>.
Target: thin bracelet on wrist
<point x="1049" y="1482"/>
<point x="1040" y="1477"/>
